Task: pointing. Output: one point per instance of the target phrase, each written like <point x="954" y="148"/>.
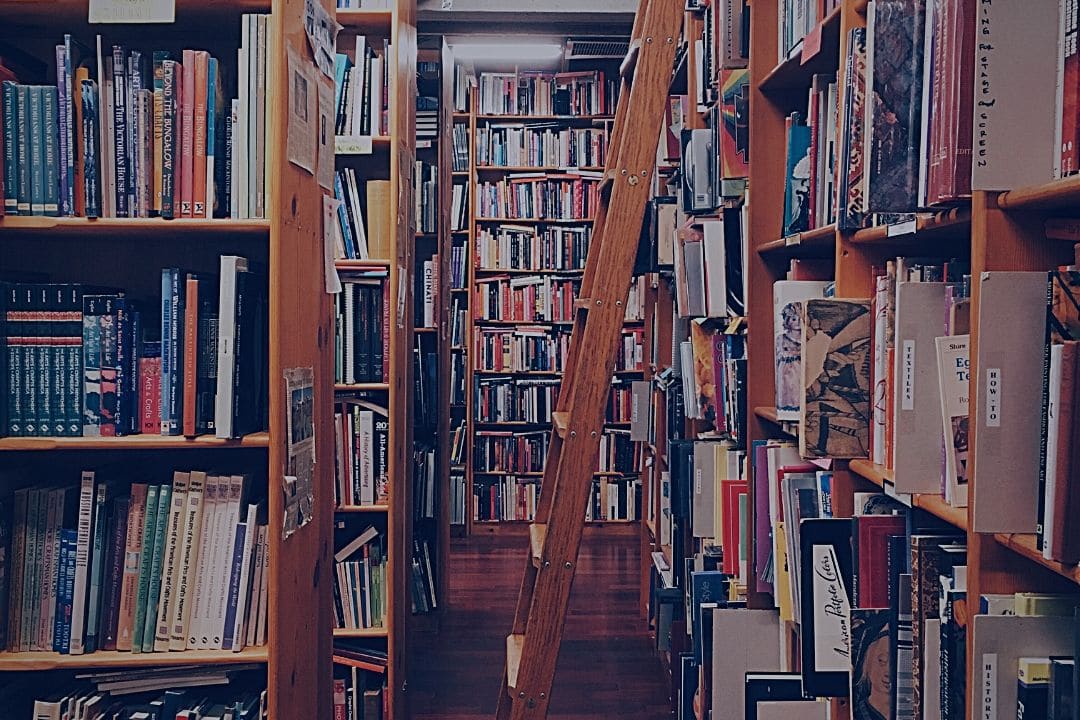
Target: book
<point x="787" y="331"/>
<point x="954" y="369"/>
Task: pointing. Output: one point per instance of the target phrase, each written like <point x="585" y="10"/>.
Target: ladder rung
<point x="629" y="63"/>
<point x="561" y="420"/>
<point x="537" y="533"/>
<point x="513" y="659"/>
<point x="583" y="303"/>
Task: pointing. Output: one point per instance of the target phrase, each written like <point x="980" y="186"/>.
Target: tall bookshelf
<point x="288" y="244"/>
<point x="995" y="231"/>
<point x="480" y="481"/>
<point x="391" y="157"/>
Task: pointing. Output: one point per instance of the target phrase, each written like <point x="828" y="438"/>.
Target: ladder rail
<point x="544" y="595"/>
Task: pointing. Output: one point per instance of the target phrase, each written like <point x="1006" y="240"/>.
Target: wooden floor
<point x="606" y="670"/>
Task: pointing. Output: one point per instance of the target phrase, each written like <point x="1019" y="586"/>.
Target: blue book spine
<point x="343" y="217"/>
<point x="235" y="567"/>
<point x="22" y="149"/>
<point x="166" y="343"/>
<point x="123" y="349"/>
<point x="63" y="89"/>
<point x="69" y="537"/>
<point x="37" y="151"/>
<point x="51" y="150"/>
<point x="61" y="583"/>
<point x="91" y="174"/>
<point x="9" y="96"/>
<point x="119" y="138"/>
<point x="212" y="110"/>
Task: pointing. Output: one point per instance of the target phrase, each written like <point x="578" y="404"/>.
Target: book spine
<point x="198" y="136"/>
<point x="244" y="588"/>
<point x="9" y="97"/>
<point x="150" y="395"/>
<point x="168" y="139"/>
<point x="191" y="356"/>
<point x="206" y="365"/>
<point x="100" y="536"/>
<point x="31" y="577"/>
<point x="146" y="557"/>
<point x="235" y="567"/>
<point x="61" y="621"/>
<point x="63" y="91"/>
<point x="200" y="586"/>
<point x="91" y="173"/>
<point x="188" y="561"/>
<point x="170" y="568"/>
<point x="72" y="351"/>
<point x="153" y="591"/>
<point x="22" y="149"/>
<point x="87" y="496"/>
<point x="50" y="152"/>
<point x="114" y="574"/>
<point x="37" y="150"/>
<point x="131" y="561"/>
<point x="187" y="130"/>
<point x="167" y="370"/>
<point x="172" y="401"/>
<point x="214" y="99"/>
<point x="120" y="131"/>
<point x="107" y="325"/>
<point x="122" y="329"/>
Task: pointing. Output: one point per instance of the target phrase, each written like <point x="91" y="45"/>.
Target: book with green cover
<point x="143" y="586"/>
<point x="154" y="588"/>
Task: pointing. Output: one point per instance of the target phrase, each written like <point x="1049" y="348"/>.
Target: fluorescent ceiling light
<point x="508" y="52"/>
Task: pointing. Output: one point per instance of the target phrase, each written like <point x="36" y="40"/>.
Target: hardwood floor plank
<point x="607" y="667"/>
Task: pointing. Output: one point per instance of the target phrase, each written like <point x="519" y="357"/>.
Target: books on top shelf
<point x="82" y="362"/>
<point x="362" y="328"/>
<point x="360" y="590"/>
<point x="464" y="80"/>
<point x="797" y="19"/>
<point x="138" y="133"/>
<point x="141" y="568"/>
<point x="540" y="146"/>
<point x="362" y="89"/>
<point x="538" y="93"/>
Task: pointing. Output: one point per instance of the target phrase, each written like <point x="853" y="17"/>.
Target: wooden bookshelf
<point x="393" y="159"/>
<point x="130" y="253"/>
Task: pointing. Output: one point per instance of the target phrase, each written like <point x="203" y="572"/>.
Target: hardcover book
<point x="953" y="373"/>
<point x="871" y="663"/>
<point x="735" y="123"/>
<point x="788" y="296"/>
<point x="797" y="183"/>
<point x="834" y="418"/>
<point x="894" y="107"/>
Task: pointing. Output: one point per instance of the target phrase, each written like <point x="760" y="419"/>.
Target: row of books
<point x="213" y="693"/>
<point x="459" y="266"/>
<point x="513" y="498"/>
<point x="361" y="452"/>
<point x="509" y="452"/>
<point x="145" y="568"/>
<point x="564" y="196"/>
<point x="464" y="82"/>
<point x="521" y="349"/>
<point x="537" y="93"/>
<point x="529" y="400"/>
<point x="427" y="291"/>
<point x="458" y="372"/>
<point x="424" y="596"/>
<point x="457" y="499"/>
<point x="709" y="255"/>
<point x="712" y="365"/>
<point x="360" y="599"/>
<point x="618" y="453"/>
<point x="459" y="207"/>
<point x="519" y="247"/>
<point x="127" y="133"/>
<point x="459" y="312"/>
<point x="460" y="137"/>
<point x="796" y="20"/>
<point x="362" y="89"/>
<point x="540" y="146"/>
<point x="360" y="199"/>
<point x="810" y="189"/>
<point x="359" y="692"/>
<point x="525" y="298"/>
<point x="426" y="197"/>
<point x="362" y="329"/>
<point x="426" y="395"/>
<point x="80" y="362"/>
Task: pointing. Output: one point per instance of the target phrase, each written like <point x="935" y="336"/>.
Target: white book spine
<point x="188" y="561"/>
<point x="234" y="171"/>
<point x="49" y="572"/>
<point x="226" y="360"/>
<point x="1053" y="430"/>
<point x="240" y="131"/>
<point x="170" y="565"/>
<point x="224" y="561"/>
<point x="367" y="457"/>
<point x="82" y="557"/>
<point x="201" y="597"/>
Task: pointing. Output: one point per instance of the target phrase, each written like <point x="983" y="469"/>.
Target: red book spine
<point x="150" y="395"/>
<point x="198" y="183"/>
<point x="889" y="390"/>
<point x="1065" y="544"/>
<point x="187" y="134"/>
<point x="1070" y="103"/>
<point x="812" y="117"/>
<point x="191" y="352"/>
<point x="386" y="332"/>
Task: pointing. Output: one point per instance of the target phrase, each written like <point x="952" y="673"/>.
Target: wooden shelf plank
<point x="355" y="387"/>
<point x="362" y="508"/>
<point x="544" y="118"/>
<point x="796" y="72"/>
<point x="366" y="22"/>
<point x="531" y="221"/>
<point x="127" y="227"/>
<point x="537" y="168"/>
<point x="819" y="242"/>
<point x="954" y="222"/>
<point x="1024" y="544"/>
<point x="788" y="427"/>
<point x="37" y="661"/>
<point x="1061" y="194"/>
<point x="933" y="504"/>
<point x="362" y="264"/>
<point x="379" y="632"/>
<point x="132" y="442"/>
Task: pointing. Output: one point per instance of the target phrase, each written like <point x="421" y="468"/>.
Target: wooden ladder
<point x="555" y="536"/>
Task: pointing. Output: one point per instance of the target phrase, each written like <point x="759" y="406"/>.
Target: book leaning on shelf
<point x="142" y="568"/>
<point x="360" y="581"/>
<point x="136" y="133"/>
<point x="81" y="362"/>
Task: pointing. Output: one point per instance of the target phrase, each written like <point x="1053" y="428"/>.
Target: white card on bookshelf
<point x="132" y="11"/>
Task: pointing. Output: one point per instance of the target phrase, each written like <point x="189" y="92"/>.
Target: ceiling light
<point x="523" y="52"/>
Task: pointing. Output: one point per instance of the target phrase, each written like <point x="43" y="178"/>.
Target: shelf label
<point x="904" y="228"/>
<point x="795" y="239"/>
<point x="132" y="11"/>
<point x="907" y="384"/>
<point x="988" y="677"/>
<point x="993" y="397"/>
<point x="352" y="145"/>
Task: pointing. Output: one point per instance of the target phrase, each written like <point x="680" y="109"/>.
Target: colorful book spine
<point x="169" y="77"/>
<point x="187" y="132"/>
<point x="63" y="88"/>
<point x="198" y="135"/>
<point x="120" y="131"/>
<point x="91" y="185"/>
<point x="9" y="97"/>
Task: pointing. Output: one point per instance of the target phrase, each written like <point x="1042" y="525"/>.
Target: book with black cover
<point x="826" y="567"/>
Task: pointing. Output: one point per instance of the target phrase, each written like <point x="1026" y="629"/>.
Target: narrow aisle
<point x="607" y="668"/>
